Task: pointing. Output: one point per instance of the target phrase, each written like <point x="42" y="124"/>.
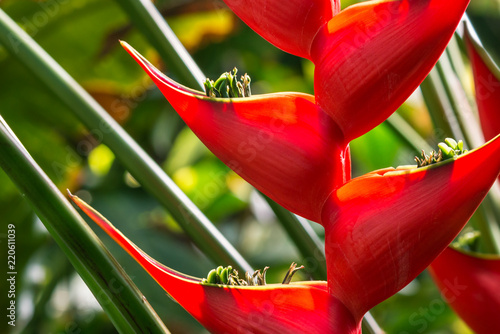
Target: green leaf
<point x="122" y="301"/>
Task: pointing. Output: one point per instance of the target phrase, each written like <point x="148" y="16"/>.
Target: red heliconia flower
<point x="470" y="283"/>
<point x="487" y="85"/>
<point x="298" y="307"/>
<point x="281" y="143"/>
<point x="384" y="228"/>
<point x="369" y="57"/>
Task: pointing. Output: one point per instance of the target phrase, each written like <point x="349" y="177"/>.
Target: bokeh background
<point x="82" y="35"/>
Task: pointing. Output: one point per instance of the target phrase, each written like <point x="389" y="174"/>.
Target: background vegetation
<point x="82" y="36"/>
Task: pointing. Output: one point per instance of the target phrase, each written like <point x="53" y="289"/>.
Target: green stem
<point x="407" y="134"/>
<point x="370" y="326"/>
<point x="459" y="103"/>
<point x="117" y="294"/>
<point x="61" y="269"/>
<point x="149" y="21"/>
<point x="304" y="237"/>
<point x="439" y="107"/>
<point x="133" y="157"/>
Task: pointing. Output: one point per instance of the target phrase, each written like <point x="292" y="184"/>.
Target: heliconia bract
<point x="470" y="283"/>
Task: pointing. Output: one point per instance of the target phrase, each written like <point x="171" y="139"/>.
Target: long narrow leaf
<point x="439" y="106"/>
<point x="114" y="290"/>
<point x="304" y="238"/>
<point x="407" y="134"/>
<point x="146" y="17"/>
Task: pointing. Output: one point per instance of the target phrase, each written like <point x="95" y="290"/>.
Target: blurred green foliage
<point x="82" y="35"/>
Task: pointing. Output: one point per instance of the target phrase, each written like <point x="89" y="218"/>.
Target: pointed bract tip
<point x="475" y="296"/>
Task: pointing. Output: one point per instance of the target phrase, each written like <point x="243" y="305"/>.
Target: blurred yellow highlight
<point x="195" y="28"/>
<point x="186" y="178"/>
<point x="100" y="160"/>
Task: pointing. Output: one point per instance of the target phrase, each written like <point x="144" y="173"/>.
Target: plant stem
<point x="407" y="134"/>
<point x="439" y="107"/>
<point x="149" y="21"/>
<point x="460" y="106"/>
<point x="370" y="326"/>
<point x="304" y="237"/>
<point x="119" y="297"/>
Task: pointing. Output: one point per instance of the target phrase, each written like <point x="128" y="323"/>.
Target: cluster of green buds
<point x="229" y="276"/>
<point x="451" y="148"/>
<point x="228" y="85"/>
<point x="447" y="150"/>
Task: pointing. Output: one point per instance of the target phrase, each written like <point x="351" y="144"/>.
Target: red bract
<point x="384" y="228"/>
<point x="283" y="144"/>
<point x="470" y="283"/>
<point x="487" y="85"/>
<point x="370" y="57"/>
<point x="289" y="25"/>
<point x="275" y="308"/>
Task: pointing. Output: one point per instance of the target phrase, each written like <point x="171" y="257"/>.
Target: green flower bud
<point x="448" y="152"/>
<point x="212" y="277"/>
<point x="451" y="143"/>
<point x="234" y="91"/>
<point x="224" y="275"/>
<point x="210" y="90"/>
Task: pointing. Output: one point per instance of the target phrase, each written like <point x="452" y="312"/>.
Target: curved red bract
<point x="383" y="229"/>
<point x="471" y="285"/>
<point x="282" y="143"/>
<point x="274" y="308"/>
<point x="371" y="57"/>
<point x="289" y="25"/>
<point x="487" y="87"/>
